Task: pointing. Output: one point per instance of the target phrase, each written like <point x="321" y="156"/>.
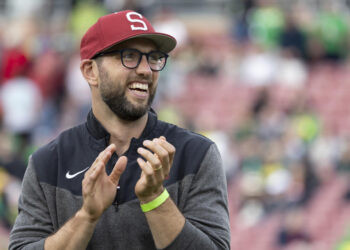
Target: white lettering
<point x="135" y="20"/>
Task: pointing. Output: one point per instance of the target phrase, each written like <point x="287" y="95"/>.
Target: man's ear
<point x="90" y="71"/>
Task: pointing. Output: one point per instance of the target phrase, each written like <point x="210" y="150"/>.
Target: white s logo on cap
<point x="135" y="20"/>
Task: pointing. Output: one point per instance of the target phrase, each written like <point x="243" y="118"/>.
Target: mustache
<point x="147" y="79"/>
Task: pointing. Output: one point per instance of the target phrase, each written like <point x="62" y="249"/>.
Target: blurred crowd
<point x="267" y="80"/>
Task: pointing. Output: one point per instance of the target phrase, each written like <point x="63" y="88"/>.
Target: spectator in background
<point x="258" y="66"/>
<point x="266" y="23"/>
<point x="172" y="80"/>
<point x="9" y="193"/>
<point x="166" y="21"/>
<point x="48" y="72"/>
<point x="77" y="99"/>
<point x="241" y="14"/>
<point x="13" y="63"/>
<point x="331" y="32"/>
<point x="343" y="164"/>
<point x="293" y="38"/>
<point x="292" y="72"/>
<point x="21" y="102"/>
<point x="13" y="149"/>
<point x="292" y="230"/>
<point x="84" y="14"/>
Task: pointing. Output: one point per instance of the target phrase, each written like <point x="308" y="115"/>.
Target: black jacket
<point x="52" y="190"/>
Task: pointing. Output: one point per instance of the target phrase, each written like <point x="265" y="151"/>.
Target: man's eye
<point x="130" y="55"/>
<point x="155" y="57"/>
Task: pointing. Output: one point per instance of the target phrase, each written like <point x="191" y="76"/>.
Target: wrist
<point x="82" y="215"/>
<point x="155" y="203"/>
<point x="150" y="197"/>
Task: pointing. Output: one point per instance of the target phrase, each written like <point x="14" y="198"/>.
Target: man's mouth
<point x="139" y="89"/>
<point x="137" y="86"/>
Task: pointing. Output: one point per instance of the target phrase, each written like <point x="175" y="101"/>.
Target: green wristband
<point x="156" y="202"/>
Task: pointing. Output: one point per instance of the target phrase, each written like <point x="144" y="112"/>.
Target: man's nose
<point x="144" y="67"/>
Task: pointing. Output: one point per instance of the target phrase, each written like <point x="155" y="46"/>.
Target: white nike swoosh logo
<point x="71" y="176"/>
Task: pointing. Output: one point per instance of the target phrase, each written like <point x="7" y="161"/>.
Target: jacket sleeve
<point x="206" y="210"/>
<point x="33" y="223"/>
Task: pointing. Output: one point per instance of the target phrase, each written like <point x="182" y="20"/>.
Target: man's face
<point x="128" y="92"/>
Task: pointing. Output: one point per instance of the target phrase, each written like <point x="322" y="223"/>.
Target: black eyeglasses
<point x="131" y="58"/>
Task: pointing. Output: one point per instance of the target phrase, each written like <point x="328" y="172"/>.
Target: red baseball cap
<point x="118" y="27"/>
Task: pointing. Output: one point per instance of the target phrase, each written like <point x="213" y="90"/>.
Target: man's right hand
<point x="99" y="189"/>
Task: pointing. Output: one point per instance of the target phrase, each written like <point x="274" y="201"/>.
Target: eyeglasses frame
<point x="140" y="58"/>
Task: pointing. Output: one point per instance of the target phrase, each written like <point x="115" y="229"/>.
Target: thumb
<point x="118" y="170"/>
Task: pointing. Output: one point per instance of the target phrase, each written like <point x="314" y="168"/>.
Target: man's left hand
<point x="159" y="156"/>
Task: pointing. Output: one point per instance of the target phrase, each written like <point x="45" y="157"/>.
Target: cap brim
<point x="164" y="42"/>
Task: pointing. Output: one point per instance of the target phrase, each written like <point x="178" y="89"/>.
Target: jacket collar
<point x="98" y="131"/>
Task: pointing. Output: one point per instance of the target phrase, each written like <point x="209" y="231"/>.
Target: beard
<point x="114" y="96"/>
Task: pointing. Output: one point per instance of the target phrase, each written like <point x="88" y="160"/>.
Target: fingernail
<point x="146" y="142"/>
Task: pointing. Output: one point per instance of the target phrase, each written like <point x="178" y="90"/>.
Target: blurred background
<point x="267" y="80"/>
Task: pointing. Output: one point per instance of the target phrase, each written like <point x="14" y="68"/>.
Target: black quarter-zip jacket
<point x="52" y="190"/>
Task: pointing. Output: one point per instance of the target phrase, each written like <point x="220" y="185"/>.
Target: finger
<point x="95" y="173"/>
<point x="157" y="171"/>
<point x="147" y="171"/>
<point x="104" y="156"/>
<point x="110" y="148"/>
<point x="118" y="170"/>
<point x="169" y="148"/>
<point x="161" y="171"/>
<point x="97" y="169"/>
<point x="91" y="178"/>
<point x="107" y="152"/>
<point x="150" y="157"/>
<point x="160" y="152"/>
<point x="162" y="155"/>
<point x="95" y="162"/>
<point x="156" y="146"/>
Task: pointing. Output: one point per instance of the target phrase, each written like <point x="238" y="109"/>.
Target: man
<point x="105" y="184"/>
